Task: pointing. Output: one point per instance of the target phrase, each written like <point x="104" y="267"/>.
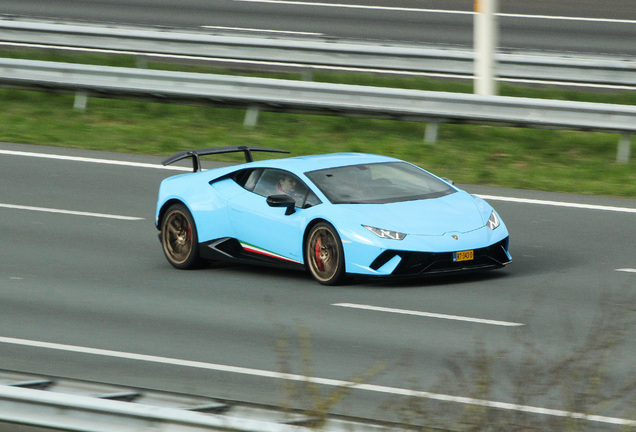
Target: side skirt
<point x="229" y="249"/>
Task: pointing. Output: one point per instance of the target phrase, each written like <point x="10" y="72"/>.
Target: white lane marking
<point x="556" y="83"/>
<point x="567" y="18"/>
<point x="429" y="314"/>
<point x="179" y="168"/>
<point x="626" y="270"/>
<point x="440" y="11"/>
<point x="353" y="6"/>
<point x="321" y="381"/>
<point x="92" y="160"/>
<point x="262" y="30"/>
<point x="559" y="204"/>
<point x="70" y="212"/>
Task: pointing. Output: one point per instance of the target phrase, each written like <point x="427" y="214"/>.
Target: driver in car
<point x="287" y="185"/>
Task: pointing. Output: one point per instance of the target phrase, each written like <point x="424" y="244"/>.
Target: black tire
<point x="179" y="237"/>
<point x="324" y="254"/>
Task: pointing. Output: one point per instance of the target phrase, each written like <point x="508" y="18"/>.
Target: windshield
<point x="378" y="183"/>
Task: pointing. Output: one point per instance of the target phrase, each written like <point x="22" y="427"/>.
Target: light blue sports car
<point x="334" y="215"/>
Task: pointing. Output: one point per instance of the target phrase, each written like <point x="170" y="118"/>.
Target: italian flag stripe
<point x="254" y="249"/>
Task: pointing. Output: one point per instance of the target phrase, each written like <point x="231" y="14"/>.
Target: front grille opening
<point x="420" y="263"/>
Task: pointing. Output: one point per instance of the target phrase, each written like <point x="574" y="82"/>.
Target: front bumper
<point x="418" y="255"/>
<point x="411" y="264"/>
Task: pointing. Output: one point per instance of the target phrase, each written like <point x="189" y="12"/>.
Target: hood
<point x="457" y="212"/>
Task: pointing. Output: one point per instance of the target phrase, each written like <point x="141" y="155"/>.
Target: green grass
<point x="561" y="161"/>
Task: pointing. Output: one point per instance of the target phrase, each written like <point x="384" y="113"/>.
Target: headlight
<point x="386" y="234"/>
<point x="493" y="221"/>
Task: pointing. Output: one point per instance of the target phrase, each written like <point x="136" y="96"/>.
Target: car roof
<point x="302" y="164"/>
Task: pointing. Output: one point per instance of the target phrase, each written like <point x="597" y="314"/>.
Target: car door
<point x="266" y="230"/>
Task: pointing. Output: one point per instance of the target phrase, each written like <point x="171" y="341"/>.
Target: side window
<point x="311" y="200"/>
<point x="277" y="182"/>
<point x="266" y="184"/>
<point x="248" y="178"/>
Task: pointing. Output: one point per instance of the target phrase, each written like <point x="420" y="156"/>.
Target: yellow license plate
<point x="463" y="256"/>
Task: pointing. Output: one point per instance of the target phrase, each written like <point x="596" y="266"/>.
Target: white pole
<point x="485" y="35"/>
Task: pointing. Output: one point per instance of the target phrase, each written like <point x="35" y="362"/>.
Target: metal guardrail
<point x="321" y="98"/>
<point x="301" y="96"/>
<point x="68" y="412"/>
<point x="63" y="404"/>
<point x="313" y="53"/>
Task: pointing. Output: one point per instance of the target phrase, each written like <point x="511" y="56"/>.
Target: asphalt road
<point x="583" y="26"/>
<point x="86" y="293"/>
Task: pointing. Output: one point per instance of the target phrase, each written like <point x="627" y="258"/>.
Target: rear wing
<point x="196" y="162"/>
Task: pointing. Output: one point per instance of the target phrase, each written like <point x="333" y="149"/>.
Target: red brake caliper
<point x="317" y="250"/>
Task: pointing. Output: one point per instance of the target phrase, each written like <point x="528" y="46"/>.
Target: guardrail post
<point x="141" y="62"/>
<point x="431" y="132"/>
<point x="81" y="99"/>
<point x="624" y="149"/>
<point x="251" y="117"/>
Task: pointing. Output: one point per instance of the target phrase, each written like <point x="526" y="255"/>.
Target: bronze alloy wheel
<point x="179" y="237"/>
<point x="324" y="254"/>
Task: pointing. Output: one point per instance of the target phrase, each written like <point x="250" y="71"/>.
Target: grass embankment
<point x="562" y="161"/>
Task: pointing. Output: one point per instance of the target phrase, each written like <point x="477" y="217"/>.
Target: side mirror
<point x="447" y="180"/>
<point x="282" y="201"/>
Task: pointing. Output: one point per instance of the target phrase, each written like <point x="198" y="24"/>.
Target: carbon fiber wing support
<point x="195" y="154"/>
